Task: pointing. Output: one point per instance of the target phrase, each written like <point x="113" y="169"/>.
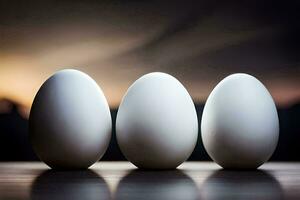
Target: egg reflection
<point x="241" y="185"/>
<point x="157" y="185"/>
<point x="69" y="185"/>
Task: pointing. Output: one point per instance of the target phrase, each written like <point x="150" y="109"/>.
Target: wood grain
<point x="121" y="180"/>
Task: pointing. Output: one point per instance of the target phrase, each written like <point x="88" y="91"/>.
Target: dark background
<point x="115" y="42"/>
<point x="14" y="143"/>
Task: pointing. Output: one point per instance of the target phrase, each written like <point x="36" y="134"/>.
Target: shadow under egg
<point x="65" y="185"/>
<point x="244" y="185"/>
<point x="167" y="184"/>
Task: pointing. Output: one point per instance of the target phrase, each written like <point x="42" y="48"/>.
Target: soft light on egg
<point x="70" y="122"/>
<point x="240" y="126"/>
<point x="156" y="125"/>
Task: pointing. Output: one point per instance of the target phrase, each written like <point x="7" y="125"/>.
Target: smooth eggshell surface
<point x="156" y="125"/>
<point x="70" y="122"/>
<point x="240" y="126"/>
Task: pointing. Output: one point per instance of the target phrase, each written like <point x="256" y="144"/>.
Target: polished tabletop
<point x="122" y="180"/>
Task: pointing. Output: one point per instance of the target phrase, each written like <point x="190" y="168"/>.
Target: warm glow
<point x="116" y="45"/>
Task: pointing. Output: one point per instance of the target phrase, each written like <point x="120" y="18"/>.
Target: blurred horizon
<point x="15" y="145"/>
<point x="8" y="104"/>
<point x="116" y="42"/>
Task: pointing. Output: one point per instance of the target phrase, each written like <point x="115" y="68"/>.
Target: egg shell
<point x="156" y="125"/>
<point x="70" y="121"/>
<point x="240" y="126"/>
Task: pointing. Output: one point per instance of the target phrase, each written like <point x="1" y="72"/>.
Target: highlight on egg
<point x="156" y="125"/>
<point x="70" y="122"/>
<point x="240" y="126"/>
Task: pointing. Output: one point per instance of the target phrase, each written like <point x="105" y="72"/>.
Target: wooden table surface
<point x="121" y="180"/>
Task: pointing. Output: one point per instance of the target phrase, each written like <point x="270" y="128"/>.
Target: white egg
<point x="240" y="126"/>
<point x="70" y="122"/>
<point x="156" y="125"/>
